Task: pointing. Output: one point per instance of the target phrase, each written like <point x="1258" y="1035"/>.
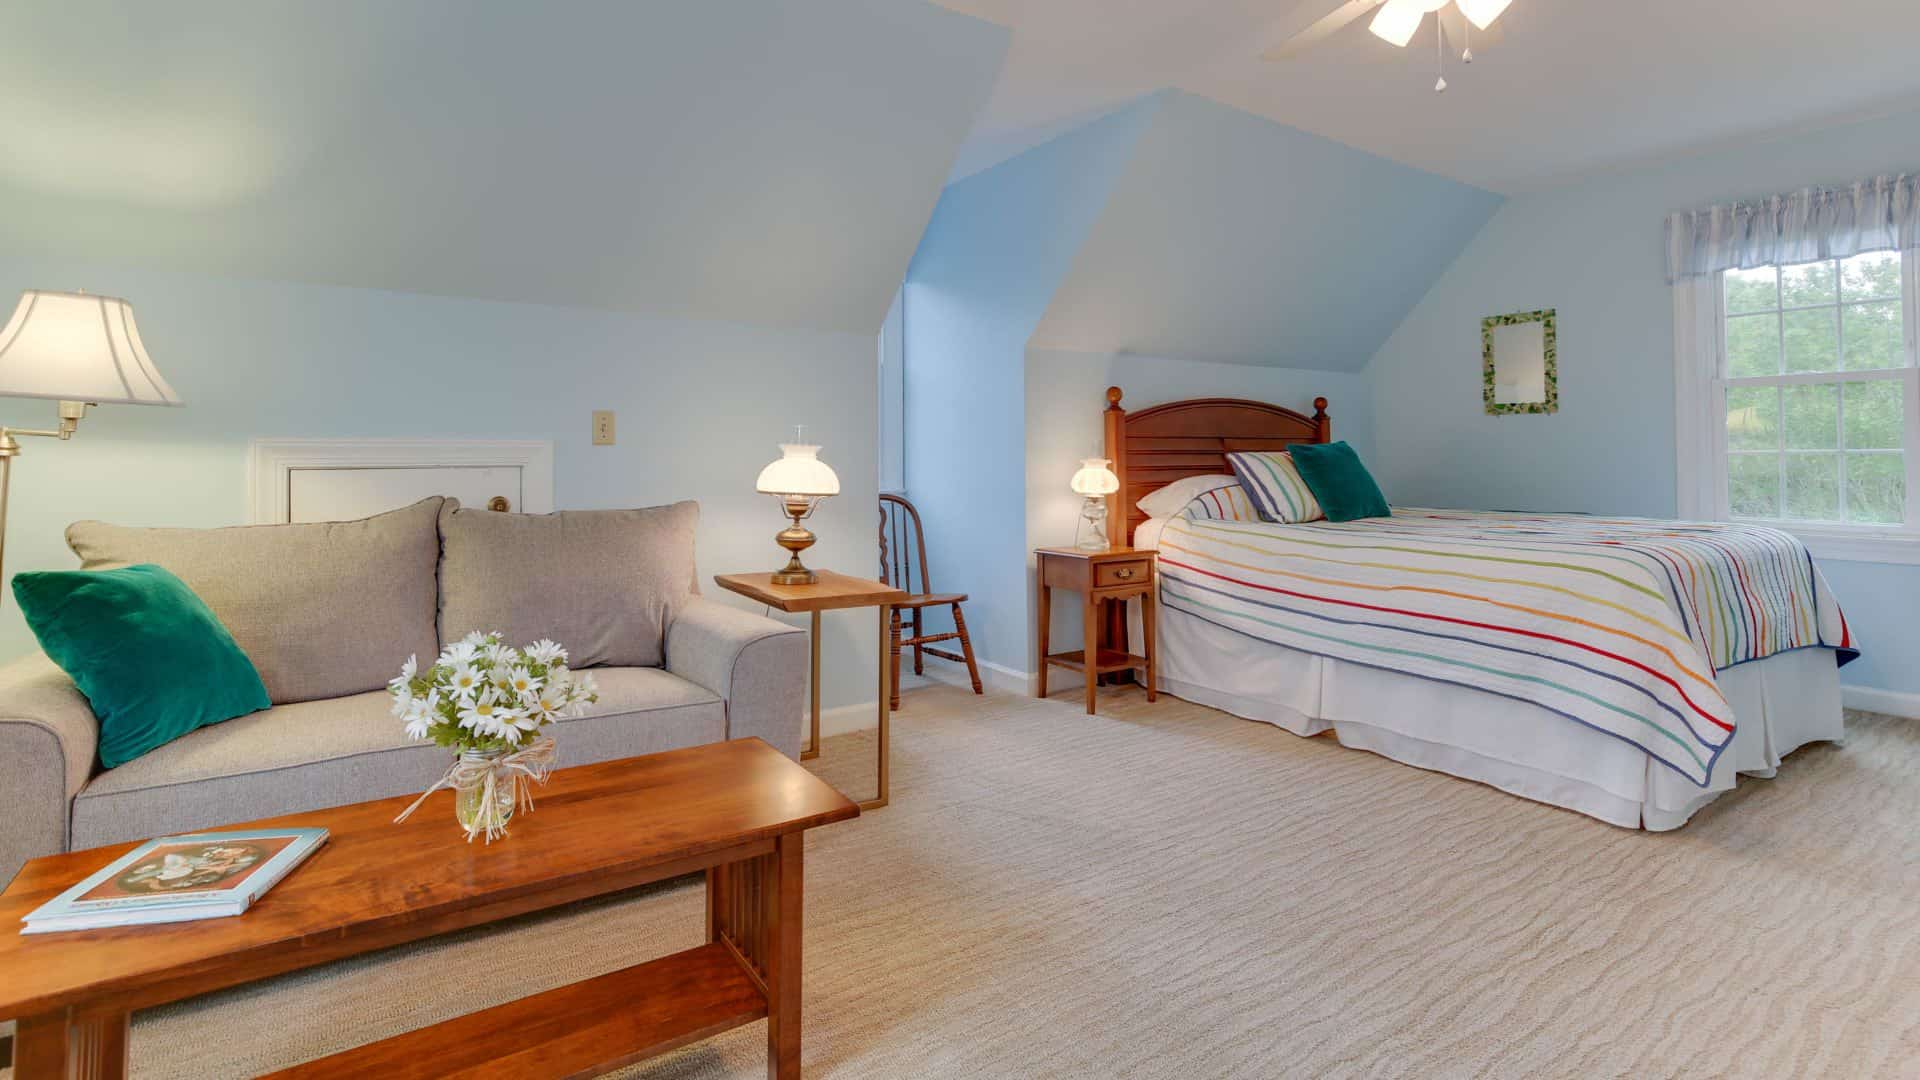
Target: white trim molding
<point x="992" y="676"/>
<point x="1874" y="699"/>
<point x="272" y="462"/>
<point x="841" y="719"/>
<point x="1856" y="545"/>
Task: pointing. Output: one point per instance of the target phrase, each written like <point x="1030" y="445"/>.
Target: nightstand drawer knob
<point x="1123" y="573"/>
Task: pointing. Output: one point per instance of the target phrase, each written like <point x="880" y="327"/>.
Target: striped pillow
<point x="1275" y="487"/>
<point x="1223" y="502"/>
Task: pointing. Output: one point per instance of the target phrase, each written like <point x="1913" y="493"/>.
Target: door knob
<point x="499" y="503"/>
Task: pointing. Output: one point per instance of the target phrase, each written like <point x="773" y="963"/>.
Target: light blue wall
<point x="1066" y="401"/>
<point x="701" y="408"/>
<point x="694" y="214"/>
<point x="995" y="250"/>
<point x="1160" y="247"/>
<point x="1593" y="251"/>
<point x="1234" y="238"/>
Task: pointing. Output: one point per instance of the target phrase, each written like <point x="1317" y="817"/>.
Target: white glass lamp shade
<point x="1094" y="478"/>
<point x="78" y="347"/>
<point x="1481" y="13"/>
<point x="798" y="472"/>
<point x="1398" y="19"/>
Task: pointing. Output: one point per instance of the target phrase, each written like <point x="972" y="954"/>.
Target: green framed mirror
<point x="1518" y="369"/>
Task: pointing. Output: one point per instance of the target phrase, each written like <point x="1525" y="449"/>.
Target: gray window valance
<point x="1881" y="214"/>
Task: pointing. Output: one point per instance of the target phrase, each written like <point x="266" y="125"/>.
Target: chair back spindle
<point x="903" y="544"/>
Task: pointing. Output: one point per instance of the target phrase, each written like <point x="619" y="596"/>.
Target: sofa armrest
<point x="48" y="738"/>
<point x="757" y="664"/>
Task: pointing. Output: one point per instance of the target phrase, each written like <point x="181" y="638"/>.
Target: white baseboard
<point x="844" y="718"/>
<point x="993" y="676"/>
<point x="1872" y="699"/>
<point x="862" y="716"/>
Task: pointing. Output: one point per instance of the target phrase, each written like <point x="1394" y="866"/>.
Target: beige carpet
<point x="1169" y="892"/>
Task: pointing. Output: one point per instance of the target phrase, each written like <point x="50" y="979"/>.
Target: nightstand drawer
<point x="1109" y="574"/>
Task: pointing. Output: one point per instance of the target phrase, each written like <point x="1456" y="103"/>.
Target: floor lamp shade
<point x="80" y="350"/>
<point x="78" y="347"/>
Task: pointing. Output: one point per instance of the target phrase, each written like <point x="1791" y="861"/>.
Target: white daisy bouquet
<point x="488" y="701"/>
<point x="484" y="696"/>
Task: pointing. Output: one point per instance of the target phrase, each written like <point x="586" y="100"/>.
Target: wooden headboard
<point x="1156" y="446"/>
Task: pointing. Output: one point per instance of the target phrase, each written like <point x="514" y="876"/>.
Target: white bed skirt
<point x="1779" y="704"/>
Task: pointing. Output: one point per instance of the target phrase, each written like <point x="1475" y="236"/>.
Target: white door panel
<point x="343" y="479"/>
<point x="345" y="493"/>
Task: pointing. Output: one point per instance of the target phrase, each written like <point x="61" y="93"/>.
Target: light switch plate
<point x="603" y="427"/>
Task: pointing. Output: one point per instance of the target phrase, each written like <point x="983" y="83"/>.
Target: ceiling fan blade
<point x="1343" y="12"/>
<point x="1460" y="31"/>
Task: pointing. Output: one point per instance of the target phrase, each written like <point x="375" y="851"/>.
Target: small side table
<point x="831" y="593"/>
<point x="1117" y="574"/>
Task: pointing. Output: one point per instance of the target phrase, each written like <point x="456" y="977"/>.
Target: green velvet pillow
<point x="1342" y="486"/>
<point x="149" y="655"/>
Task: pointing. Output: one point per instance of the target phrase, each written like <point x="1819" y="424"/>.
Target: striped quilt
<point x="1615" y="623"/>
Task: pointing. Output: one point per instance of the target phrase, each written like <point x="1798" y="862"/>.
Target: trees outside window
<point x="1818" y="380"/>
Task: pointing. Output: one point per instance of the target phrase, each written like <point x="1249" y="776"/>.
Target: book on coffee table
<point x="177" y="879"/>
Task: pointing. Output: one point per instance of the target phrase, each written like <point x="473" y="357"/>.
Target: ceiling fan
<point x="1395" y="21"/>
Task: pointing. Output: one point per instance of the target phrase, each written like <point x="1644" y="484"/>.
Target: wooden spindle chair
<point x="903" y="546"/>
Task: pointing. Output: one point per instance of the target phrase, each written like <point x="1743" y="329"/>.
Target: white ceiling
<point x="760" y="161"/>
<point x="1571" y="87"/>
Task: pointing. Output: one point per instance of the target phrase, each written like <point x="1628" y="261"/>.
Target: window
<point x="1821" y="394"/>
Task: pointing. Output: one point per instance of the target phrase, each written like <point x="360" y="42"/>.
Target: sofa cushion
<point x="322" y="609"/>
<point x="316" y="754"/>
<point x="152" y="661"/>
<point x="603" y="583"/>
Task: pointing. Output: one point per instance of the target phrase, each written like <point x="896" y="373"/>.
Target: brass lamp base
<point x="795" y="539"/>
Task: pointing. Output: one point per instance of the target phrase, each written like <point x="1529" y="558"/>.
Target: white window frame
<point x="1701" y="358"/>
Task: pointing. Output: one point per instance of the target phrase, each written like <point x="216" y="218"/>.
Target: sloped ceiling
<point x="1235" y="239"/>
<point x="1594" y="84"/>
<point x="760" y="161"/>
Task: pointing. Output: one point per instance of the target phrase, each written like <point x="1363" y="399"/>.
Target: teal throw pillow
<point x="150" y="656"/>
<point x="1340" y="484"/>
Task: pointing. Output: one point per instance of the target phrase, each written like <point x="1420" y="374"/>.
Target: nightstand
<point x="1116" y="574"/>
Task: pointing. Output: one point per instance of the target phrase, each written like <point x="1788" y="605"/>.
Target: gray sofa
<point x="328" y="611"/>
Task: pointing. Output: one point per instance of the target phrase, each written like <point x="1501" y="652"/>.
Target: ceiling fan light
<point x="1481" y="13"/>
<point x="1397" y="20"/>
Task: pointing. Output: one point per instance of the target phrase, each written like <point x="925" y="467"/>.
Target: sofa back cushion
<point x="322" y="609"/>
<point x="603" y="583"/>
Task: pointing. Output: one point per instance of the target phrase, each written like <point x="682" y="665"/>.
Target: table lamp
<point x="77" y="349"/>
<point x="799" y="480"/>
<point x="1096" y="482"/>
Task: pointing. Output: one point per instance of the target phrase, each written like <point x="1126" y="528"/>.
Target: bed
<point x="1628" y="669"/>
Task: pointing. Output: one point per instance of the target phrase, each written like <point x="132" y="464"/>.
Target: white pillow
<point x="1173" y="498"/>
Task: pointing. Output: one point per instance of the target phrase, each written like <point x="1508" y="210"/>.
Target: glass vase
<point x="1091" y="535"/>
<point x="471" y="805"/>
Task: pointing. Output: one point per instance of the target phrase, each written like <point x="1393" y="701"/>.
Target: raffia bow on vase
<point x="489" y="787"/>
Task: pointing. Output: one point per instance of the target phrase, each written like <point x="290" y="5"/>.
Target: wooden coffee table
<point x="736" y="810"/>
